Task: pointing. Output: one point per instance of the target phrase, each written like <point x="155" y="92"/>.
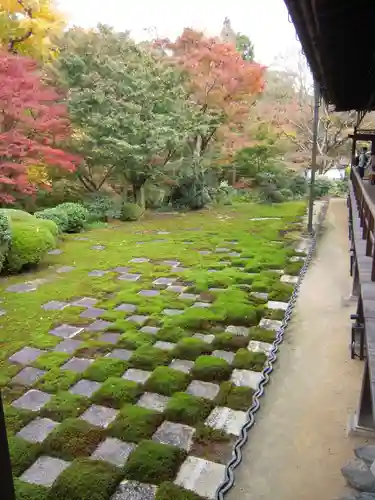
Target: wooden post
<point x="314" y="154"/>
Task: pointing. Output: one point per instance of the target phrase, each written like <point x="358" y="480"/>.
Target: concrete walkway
<point x="299" y="443"/>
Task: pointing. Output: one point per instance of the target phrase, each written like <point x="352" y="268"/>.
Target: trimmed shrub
<point x="103" y="368"/>
<point x="211" y="369"/>
<point x="14" y="214"/>
<point x="58" y="216"/>
<point x="5" y="238"/>
<point x="116" y="391"/>
<point x="187" y="409"/>
<point x="130" y="212"/>
<point x="237" y="398"/>
<point x="77" y="216"/>
<point x="191" y="348"/>
<point x="148" y="358"/>
<point x="167" y="381"/>
<point x="248" y="360"/>
<point x="102" y="208"/>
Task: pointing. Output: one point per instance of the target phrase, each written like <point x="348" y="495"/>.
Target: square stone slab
<point x="222" y="250"/>
<point x="246" y="378"/>
<point x="100" y="416"/>
<point x="241" y="331"/>
<point x="204" y="390"/>
<point x="206" y="338"/>
<point x="188" y="296"/>
<point x="226" y="355"/>
<point x="123" y="354"/>
<point x="44" y="471"/>
<point x="98" y="247"/>
<point x="54" y="305"/>
<point x="176" y="289"/>
<point x="65" y="269"/>
<point x="201" y="476"/>
<point x="260" y="295"/>
<point x="120" y="269"/>
<point x="166" y="346"/>
<point x="85" y="302"/>
<point x="256" y="346"/>
<point x="297" y="258"/>
<point x="98" y="325"/>
<point x="21" y="288"/>
<point x="2" y="312"/>
<point x="151" y="330"/>
<point x="182" y="365"/>
<point x="130" y="308"/>
<point x="68" y="346"/>
<point x="132" y="490"/>
<point x="270" y="324"/>
<point x="175" y="435"/>
<point x="173" y="312"/>
<point x="55" y="252"/>
<point x="28" y="376"/>
<point x="97" y="273"/>
<point x="274" y="304"/>
<point x="139" y="260"/>
<point x="163" y="232"/>
<point x="37" y="430"/>
<point x="172" y="263"/>
<point x="114" y="451"/>
<point x="164" y="281"/>
<point x="138" y="318"/>
<point x="26" y="355"/>
<point x="66" y="331"/>
<point x="32" y="400"/>
<point x="135" y="375"/>
<point x="180" y="269"/>
<point x="149" y="293"/>
<point x="234" y="254"/>
<point x="204" y="252"/>
<point x="227" y="420"/>
<point x="92" y="313"/>
<point x="290" y="280"/>
<point x="202" y="305"/>
<point x="129" y="277"/>
<point x="85" y="388"/>
<point x="77" y="365"/>
<point x="153" y="401"/>
<point x="109" y="338"/>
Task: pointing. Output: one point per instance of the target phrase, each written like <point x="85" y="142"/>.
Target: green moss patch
<point x="50" y="360"/>
<point x="57" y="380"/>
<point x="72" y="439"/>
<point x="115" y="392"/>
<point x="135" y="423"/>
<point x="294" y="268"/>
<point x="134" y="340"/>
<point x="65" y="405"/>
<point x="248" y="360"/>
<point x="103" y="368"/>
<point x="187" y="409"/>
<point x="210" y="369"/>
<point x="170" y="491"/>
<point x="237" y="398"/>
<point x="172" y="334"/>
<point x="191" y="348"/>
<point x="22" y="454"/>
<point x="86" y="480"/>
<point x="281" y="292"/>
<point x="148" y="358"/>
<point x="154" y="463"/>
<point x="16" y="418"/>
<point x="261" y="334"/>
<point x="167" y="381"/>
<point x="27" y="491"/>
<point x="229" y="342"/>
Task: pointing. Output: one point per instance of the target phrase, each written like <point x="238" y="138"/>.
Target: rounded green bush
<point x="77" y="216"/>
<point x="130" y="212"/>
<point x="211" y="369"/>
<point x="14" y="214"/>
<point x="30" y="242"/>
<point x="187" y="409"/>
<point x="58" y="216"/>
<point x="167" y="381"/>
<point x="50" y="225"/>
<point x="5" y="238"/>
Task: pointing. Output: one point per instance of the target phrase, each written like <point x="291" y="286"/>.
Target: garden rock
<point x="32" y="400"/>
<point x="66" y="331"/>
<point x="44" y="471"/>
<point x="85" y="302"/>
<point x="273" y="304"/>
<point x="241" y="331"/>
<point x="366" y="453"/>
<point x="138" y="318"/>
<point x="130" y="308"/>
<point x="182" y="365"/>
<point x="246" y="378"/>
<point x="226" y="355"/>
<point x="100" y="416"/>
<point x="85" y="388"/>
<point x="153" y="401"/>
<point x="201" y="476"/>
<point x="132" y="490"/>
<point x="98" y="325"/>
<point x="26" y="355"/>
<point x="256" y="346"/>
<point x="175" y="435"/>
<point x="290" y="280"/>
<point x="92" y="313"/>
<point x="123" y="354"/>
<point x="109" y="338"/>
<point x="206" y="338"/>
<point x="151" y="330"/>
<point x="65" y="269"/>
<point x="136" y="375"/>
<point x="77" y="365"/>
<point x="37" y="430"/>
<point x="69" y="346"/>
<point x="227" y="420"/>
<point x="129" y="277"/>
<point x="270" y="324"/>
<point x="28" y="376"/>
<point x="165" y="346"/>
<point x="173" y="312"/>
<point x="359" y="476"/>
<point x="204" y="390"/>
<point x="114" y="451"/>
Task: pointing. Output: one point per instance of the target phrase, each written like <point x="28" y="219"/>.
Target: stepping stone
<point x="66" y="331"/>
<point x="222" y="250"/>
<point x="85" y="388"/>
<point x="297" y="258"/>
<point x="234" y="254"/>
<point x="163" y="232"/>
<point x="99" y="325"/>
<point x="270" y="324"/>
<point x="97" y="273"/>
<point x="151" y="330"/>
<point x="241" y="331"/>
<point x="260" y="295"/>
<point x="212" y="270"/>
<point x="153" y="401"/>
<point x="81" y="239"/>
<point x="44" y="471"/>
<point x="246" y="378"/>
<point x="204" y="252"/>
<point x="204" y="390"/>
<point x="21" y="288"/>
<point x="28" y="376"/>
<point x="188" y="296"/>
<point x="92" y="313"/>
<point x="166" y="346"/>
<point x="202" y="305"/>
<point x="135" y="375"/>
<point x="26" y="355"/>
<point x="65" y="269"/>
<point x="175" y="435"/>
<point x="37" y="430"/>
<point x="179" y="269"/>
<point x="32" y="400"/>
<point x="274" y="304"/>
<point x="2" y="312"/>
<point x="55" y="252"/>
<point x="216" y="290"/>
<point x="227" y="420"/>
<point x="109" y="338"/>
<point x="85" y="302"/>
<point x="176" y="288"/>
<point x="126" y="308"/>
<point x="149" y="293"/>
<point x="132" y="490"/>
<point x="114" y="451"/>
<point x="98" y="247"/>
<point x="164" y="281"/>
<point x="226" y="355"/>
<point x="201" y="476"/>
<point x="206" y="338"/>
<point x="256" y="346"/>
<point x="290" y="280"/>
<point x="266" y="218"/>
<point x="100" y="416"/>
<point x="55" y="305"/>
<point x="182" y="365"/>
<point x="172" y="263"/>
<point x="123" y="354"/>
<point x="139" y="319"/>
<point x="77" y="365"/>
<point x="68" y="346"/>
<point x="173" y="312"/>
<point x="120" y="269"/>
<point x="139" y="260"/>
<point x="129" y="277"/>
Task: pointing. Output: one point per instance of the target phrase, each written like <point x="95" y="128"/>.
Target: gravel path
<point x="299" y="443"/>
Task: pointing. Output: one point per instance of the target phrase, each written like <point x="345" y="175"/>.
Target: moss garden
<point x="129" y="357"/>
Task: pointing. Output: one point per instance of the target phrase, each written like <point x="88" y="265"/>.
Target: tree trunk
<point x="139" y="195"/>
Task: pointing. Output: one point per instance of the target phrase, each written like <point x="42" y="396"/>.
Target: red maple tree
<point x="33" y="125"/>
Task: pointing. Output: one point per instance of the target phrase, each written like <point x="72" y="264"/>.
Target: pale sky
<point x="264" y="21"/>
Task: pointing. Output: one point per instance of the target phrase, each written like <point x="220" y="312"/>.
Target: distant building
<point x="227" y="33"/>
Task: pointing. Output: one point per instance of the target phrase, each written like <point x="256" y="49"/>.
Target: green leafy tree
<point x="245" y="47"/>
